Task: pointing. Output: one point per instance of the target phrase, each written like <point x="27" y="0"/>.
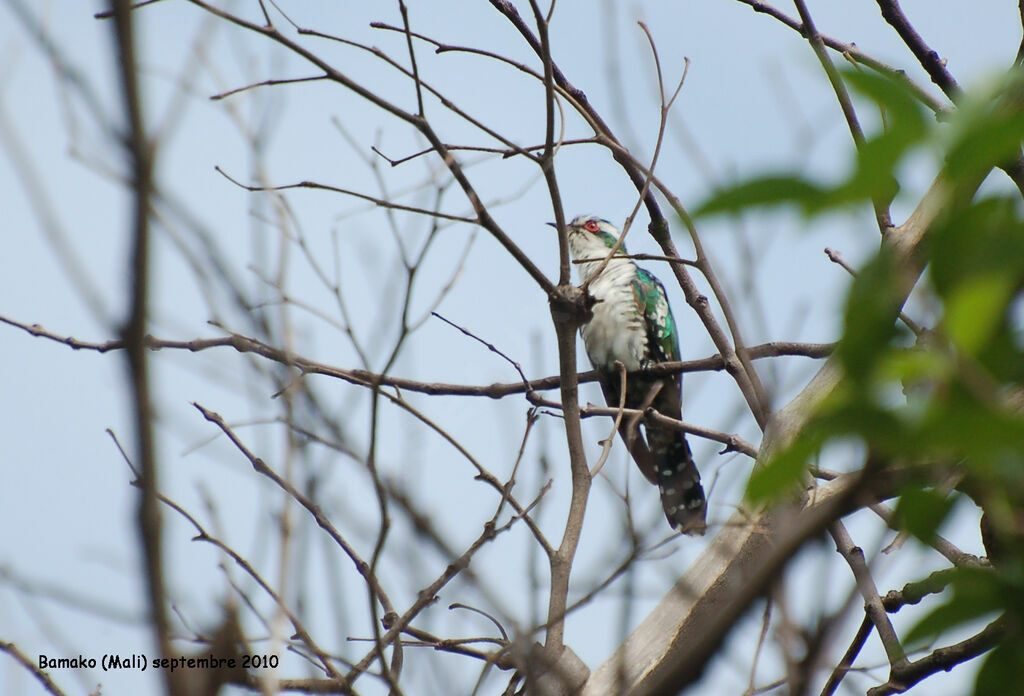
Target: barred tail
<point x="682" y="496"/>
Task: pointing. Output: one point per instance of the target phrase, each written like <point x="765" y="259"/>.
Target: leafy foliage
<point x="944" y="407"/>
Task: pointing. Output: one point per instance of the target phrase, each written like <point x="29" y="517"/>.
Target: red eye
<point x="591" y="226"/>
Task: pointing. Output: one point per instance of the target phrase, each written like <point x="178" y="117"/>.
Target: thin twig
<point x="643" y="257"/>
<point x="26" y="662"/>
<point x="854" y="53"/>
<point x="766" y="620"/>
<point x="837" y="258"/>
<point x="846" y="663"/>
<point x="665" y="107"/>
<point x="428" y="595"/>
<point x="457" y="646"/>
<point x="882" y="216"/>
<point x="244" y="344"/>
<point x="314" y="510"/>
<point x="926" y="56"/>
<point x="324" y="661"/>
<point x="380" y="202"/>
<point x="266" y="83"/>
<point x="412" y="59"/>
<point x="942" y="659"/>
<point x="501" y="629"/>
<point x="417" y="122"/>
<point x="490" y="346"/>
<point x="733" y="443"/>
<point x="606" y="446"/>
<point x="913" y="592"/>
<point x="947" y="549"/>
<point x="872" y="601"/>
<point x="504" y="152"/>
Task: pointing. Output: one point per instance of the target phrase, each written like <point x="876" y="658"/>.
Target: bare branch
<point x="950" y="552"/>
<point x="733" y="443"/>
<point x="881" y="206"/>
<point x="412" y="59"/>
<point x="324" y="660"/>
<point x="606" y="445"/>
<point x="244" y="344"/>
<point x="942" y="660"/>
<point x="428" y="595"/>
<point x="414" y="120"/>
<point x="501" y="629"/>
<point x="141" y="153"/>
<point x="490" y="347"/>
<point x="266" y="83"/>
<point x="380" y="202"/>
<point x="567" y="297"/>
<point x="846" y="663"/>
<point x="671" y="646"/>
<point x="872" y="601"/>
<point x="666" y="106"/>
<point x="26" y="662"/>
<point x="668" y="650"/>
<point x="314" y="510"/>
<point x="914" y="592"/>
<point x="854" y="53"/>
<point x="926" y="56"/>
<point x="645" y="257"/>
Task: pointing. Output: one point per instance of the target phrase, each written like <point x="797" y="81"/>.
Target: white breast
<point x="617" y="331"/>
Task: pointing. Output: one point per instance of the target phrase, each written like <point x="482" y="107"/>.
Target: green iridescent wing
<point x="651" y="301"/>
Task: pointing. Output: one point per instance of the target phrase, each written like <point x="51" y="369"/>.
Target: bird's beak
<point x="553" y="224"/>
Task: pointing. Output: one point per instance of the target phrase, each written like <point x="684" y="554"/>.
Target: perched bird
<point x="632" y="323"/>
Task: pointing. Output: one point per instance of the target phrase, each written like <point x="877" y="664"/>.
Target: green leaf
<point x="873" y="176"/>
<point x="975" y="309"/>
<point x="959" y="426"/>
<point x="784" y="473"/>
<point x="915" y="366"/>
<point x="1003" y="666"/>
<point x="765" y="191"/>
<point x="982" y="238"/>
<point x="905" y="126"/>
<point x="984" y="138"/>
<point x="977" y="264"/>
<point x="976" y="593"/>
<point x="861" y="416"/>
<point x="870" y="318"/>
<point x="903" y="112"/>
<point x="921" y="511"/>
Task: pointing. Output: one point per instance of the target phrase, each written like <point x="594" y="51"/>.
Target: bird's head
<point x="591" y="236"/>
